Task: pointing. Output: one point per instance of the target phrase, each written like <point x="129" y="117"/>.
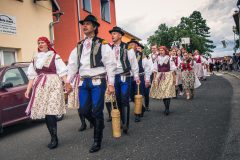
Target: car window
<point x="13" y="76"/>
<point x="25" y="69"/>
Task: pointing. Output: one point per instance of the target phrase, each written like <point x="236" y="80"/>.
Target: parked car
<point x="13" y="84"/>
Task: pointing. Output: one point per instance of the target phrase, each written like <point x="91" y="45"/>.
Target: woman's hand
<point x="27" y="93"/>
<point x="110" y="90"/>
<point x="68" y="87"/>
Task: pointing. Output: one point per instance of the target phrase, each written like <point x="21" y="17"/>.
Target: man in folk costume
<point x="93" y="59"/>
<point x="153" y="56"/>
<point x="198" y="65"/>
<point x="148" y="72"/>
<point x="126" y="63"/>
<point x="144" y="72"/>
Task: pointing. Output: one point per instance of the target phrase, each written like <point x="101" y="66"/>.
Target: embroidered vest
<point x="124" y="57"/>
<point x="164" y="67"/>
<point x="140" y="57"/>
<point x="95" y="54"/>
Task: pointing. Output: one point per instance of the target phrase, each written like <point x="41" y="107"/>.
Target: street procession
<point x="109" y="75"/>
<point x="75" y="84"/>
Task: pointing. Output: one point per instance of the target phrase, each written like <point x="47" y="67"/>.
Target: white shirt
<point x="108" y="59"/>
<point x="132" y="59"/>
<point x="164" y="59"/>
<point x="40" y="60"/>
<point x="147" y="66"/>
<point x="153" y="56"/>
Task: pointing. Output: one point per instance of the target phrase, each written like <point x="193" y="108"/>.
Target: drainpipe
<point x="79" y="17"/>
<point x="57" y="15"/>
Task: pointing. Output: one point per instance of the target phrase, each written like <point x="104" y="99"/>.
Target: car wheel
<point x="60" y="117"/>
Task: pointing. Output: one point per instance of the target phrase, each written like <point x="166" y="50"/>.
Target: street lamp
<point x="234" y="29"/>
<point x="238" y="5"/>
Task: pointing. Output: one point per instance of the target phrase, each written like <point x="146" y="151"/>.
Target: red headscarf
<point x="45" y="39"/>
<point x="165" y="49"/>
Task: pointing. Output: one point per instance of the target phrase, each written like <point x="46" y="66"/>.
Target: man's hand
<point x="110" y="90"/>
<point x="68" y="87"/>
<point x="138" y="81"/>
<point x="147" y="84"/>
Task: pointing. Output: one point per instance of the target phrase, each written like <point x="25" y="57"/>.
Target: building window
<point x="87" y="5"/>
<point x="105" y="10"/>
<point x="7" y="57"/>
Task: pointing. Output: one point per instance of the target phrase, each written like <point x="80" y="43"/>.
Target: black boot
<point x="192" y="93"/>
<point x="143" y="110"/>
<point x="137" y="118"/>
<point x="51" y="122"/>
<point x="109" y="109"/>
<point x="98" y="134"/>
<point x="83" y="125"/>
<point x="125" y="118"/>
<point x="54" y="139"/>
<point x="167" y="104"/>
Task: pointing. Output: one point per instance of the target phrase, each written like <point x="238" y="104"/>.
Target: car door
<point x="13" y="100"/>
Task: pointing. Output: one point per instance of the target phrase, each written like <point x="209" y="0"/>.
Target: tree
<point x="194" y="27"/>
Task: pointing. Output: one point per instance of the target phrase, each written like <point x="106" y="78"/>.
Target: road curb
<point x="231" y="150"/>
<point x="232" y="74"/>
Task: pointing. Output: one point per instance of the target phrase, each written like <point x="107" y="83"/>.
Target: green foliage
<point x="194" y="27"/>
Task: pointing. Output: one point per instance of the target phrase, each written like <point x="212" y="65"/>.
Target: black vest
<point x="95" y="54"/>
<point x="124" y="57"/>
<point x="140" y="57"/>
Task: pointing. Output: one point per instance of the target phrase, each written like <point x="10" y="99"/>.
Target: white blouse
<point x="40" y="61"/>
<point x="164" y="59"/>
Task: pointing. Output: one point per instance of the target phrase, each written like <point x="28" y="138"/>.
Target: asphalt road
<point x="195" y="130"/>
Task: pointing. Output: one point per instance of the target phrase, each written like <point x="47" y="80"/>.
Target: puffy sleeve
<point x="109" y="62"/>
<point x="134" y="64"/>
<point x="155" y="65"/>
<point x="60" y="66"/>
<point x="72" y="67"/>
<point x="31" y="73"/>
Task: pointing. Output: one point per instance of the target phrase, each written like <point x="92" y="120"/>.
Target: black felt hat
<point x="117" y="29"/>
<point x="90" y="18"/>
<point x="134" y="41"/>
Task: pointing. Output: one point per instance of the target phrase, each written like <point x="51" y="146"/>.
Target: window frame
<point x="2" y="56"/>
<point x="108" y="9"/>
<point x="22" y="76"/>
<point x="85" y="8"/>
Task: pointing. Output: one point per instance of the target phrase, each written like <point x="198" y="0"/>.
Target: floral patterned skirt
<point x="49" y="98"/>
<point x="188" y="79"/>
<point x="162" y="86"/>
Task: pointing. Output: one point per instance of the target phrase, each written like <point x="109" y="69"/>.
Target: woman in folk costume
<point x="198" y="67"/>
<point x="164" y="80"/>
<point x="188" y="75"/>
<point x="46" y="73"/>
<point x="177" y="60"/>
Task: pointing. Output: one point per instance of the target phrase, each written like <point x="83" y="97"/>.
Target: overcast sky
<point x="142" y="18"/>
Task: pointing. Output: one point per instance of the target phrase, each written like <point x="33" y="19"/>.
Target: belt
<point x="141" y="74"/>
<point x="93" y="77"/>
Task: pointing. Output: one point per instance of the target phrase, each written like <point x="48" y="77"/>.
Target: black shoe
<point x="125" y="129"/>
<point x="109" y="119"/>
<point x="95" y="147"/>
<point x="91" y="125"/>
<point x="137" y="119"/>
<point x="166" y="112"/>
<point x="147" y="109"/>
<point x="83" y="127"/>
